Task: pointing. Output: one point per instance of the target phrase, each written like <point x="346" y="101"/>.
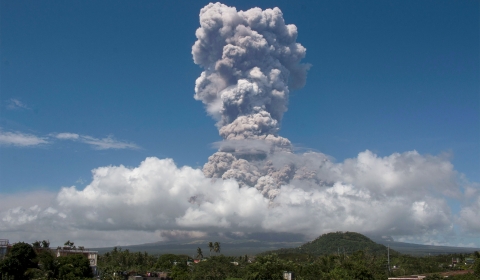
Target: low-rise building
<point x="4" y="245"/>
<point x="288" y="275"/>
<point x="469" y="260"/>
<point x="92" y="256"/>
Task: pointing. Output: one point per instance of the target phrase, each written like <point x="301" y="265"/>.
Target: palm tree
<point x="210" y="246"/>
<point x="216" y="247"/>
<point x="45" y="244"/>
<point x="69" y="244"/>
<point x="36" y="244"/>
<point x="199" y="253"/>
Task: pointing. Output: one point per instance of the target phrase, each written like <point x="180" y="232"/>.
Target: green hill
<point x="337" y="243"/>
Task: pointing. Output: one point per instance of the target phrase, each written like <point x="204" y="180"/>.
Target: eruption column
<point x="250" y="59"/>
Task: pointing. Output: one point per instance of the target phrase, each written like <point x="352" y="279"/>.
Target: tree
<point x="74" y="266"/>
<point x="434" y="276"/>
<point x="199" y="253"/>
<point x="48" y="265"/>
<point x="210" y="246"/>
<point x="180" y="271"/>
<point x="45" y="244"/>
<point x="217" y="267"/>
<point x="216" y="247"/>
<point x="267" y="267"/>
<point x="19" y="260"/>
<point x="36" y="244"/>
<point x="338" y="273"/>
<point x="165" y="262"/>
<point x="69" y="244"/>
<point x="476" y="266"/>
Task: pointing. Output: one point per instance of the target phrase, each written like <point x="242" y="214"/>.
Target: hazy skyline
<point x="382" y="139"/>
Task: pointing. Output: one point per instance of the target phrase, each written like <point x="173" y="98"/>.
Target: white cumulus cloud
<point x="255" y="183"/>
<point x="156" y="197"/>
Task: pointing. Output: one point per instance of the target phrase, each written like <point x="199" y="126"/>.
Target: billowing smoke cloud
<point x="250" y="60"/>
<point x="255" y="182"/>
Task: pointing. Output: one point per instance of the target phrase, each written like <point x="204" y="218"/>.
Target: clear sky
<point x="88" y="84"/>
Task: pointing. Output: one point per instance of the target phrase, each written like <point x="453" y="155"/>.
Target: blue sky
<point x="387" y="76"/>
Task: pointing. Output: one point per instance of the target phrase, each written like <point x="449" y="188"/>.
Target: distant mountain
<point x="189" y="247"/>
<point x="336" y="243"/>
<point x="330" y="243"/>
<point x="422" y="250"/>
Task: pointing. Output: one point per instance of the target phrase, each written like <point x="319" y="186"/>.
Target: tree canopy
<point x="18" y="261"/>
<point x="24" y="262"/>
<point x="338" y="243"/>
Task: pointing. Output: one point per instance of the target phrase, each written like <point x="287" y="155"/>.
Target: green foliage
<point x="357" y="266"/>
<point x="476" y="266"/>
<point x="210" y="247"/>
<point x="307" y="262"/>
<point x="343" y="243"/>
<point x="338" y="273"/>
<point x="215" y="268"/>
<point x="339" y="243"/>
<point x="36" y="244"/>
<point x="45" y="244"/>
<point x="119" y="260"/>
<point x="41" y="244"/>
<point x="48" y="265"/>
<point x="22" y="262"/>
<point x="468" y="276"/>
<point x="74" y="266"/>
<point x="199" y="253"/>
<point x="19" y="260"/>
<point x="268" y="267"/>
<point x="435" y="276"/>
<point x="216" y="247"/>
<point x="166" y="262"/>
<point x="180" y="271"/>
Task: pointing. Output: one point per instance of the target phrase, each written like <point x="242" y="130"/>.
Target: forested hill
<point x="337" y="243"/>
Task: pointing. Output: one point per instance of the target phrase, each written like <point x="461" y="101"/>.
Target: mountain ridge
<point x="253" y="246"/>
<point x="336" y="243"/>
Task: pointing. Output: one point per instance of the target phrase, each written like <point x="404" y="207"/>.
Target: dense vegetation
<point x="359" y="265"/>
<point x="309" y="261"/>
<point x="336" y="255"/>
<point x="337" y="243"/>
<point x="25" y="261"/>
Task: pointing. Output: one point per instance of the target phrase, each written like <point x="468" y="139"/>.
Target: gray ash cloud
<point x="251" y="60"/>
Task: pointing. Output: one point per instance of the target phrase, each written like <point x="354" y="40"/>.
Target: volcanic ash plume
<point x="250" y="58"/>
